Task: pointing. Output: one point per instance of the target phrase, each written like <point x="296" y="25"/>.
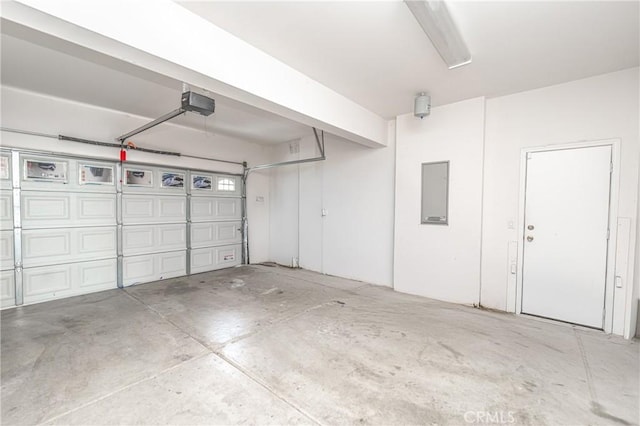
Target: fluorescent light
<point x="435" y="20"/>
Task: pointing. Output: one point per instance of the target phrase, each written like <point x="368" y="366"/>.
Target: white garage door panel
<point x="66" y="245"/>
<point x="6" y="210"/>
<point x="7" y="289"/>
<point x="97" y="275"/>
<point x="172" y="264"/>
<point x="54" y="282"/>
<point x="38" y="206"/>
<point x="172" y="207"/>
<point x="143" y="209"/>
<point x="208" y="259"/>
<point x="153" y="238"/>
<point x="43" y="210"/>
<point x="137" y="208"/>
<point x="137" y="239"/>
<point x="215" y="233"/>
<point x="6" y="250"/>
<point x="211" y="208"/>
<point x="47" y="280"/>
<point x="42" y="244"/>
<point x="152" y="267"/>
<point x="96" y="208"/>
<point x="137" y="269"/>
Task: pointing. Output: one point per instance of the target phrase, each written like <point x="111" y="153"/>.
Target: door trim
<point x="515" y="304"/>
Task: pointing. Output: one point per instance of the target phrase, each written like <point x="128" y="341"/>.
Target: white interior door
<point x="565" y="235"/>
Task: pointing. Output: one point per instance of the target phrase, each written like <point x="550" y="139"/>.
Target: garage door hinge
<point x="610" y="167"/>
<point x="608" y="233"/>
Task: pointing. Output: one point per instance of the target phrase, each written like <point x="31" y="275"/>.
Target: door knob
<point x="529" y="238"/>
<point x="530" y="227"/>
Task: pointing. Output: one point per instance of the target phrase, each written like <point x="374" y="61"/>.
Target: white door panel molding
<point x="57" y="281"/>
<point x="7" y="289"/>
<point x="212" y="258"/>
<point x="145" y="239"/>
<point x="67" y="245"/>
<point x="152" y="267"/>
<point x="58" y="209"/>
<point x="207" y="234"/>
<point x="6" y="210"/>
<point x="6" y="250"/>
<point x="205" y="209"/>
<point x="145" y="209"/>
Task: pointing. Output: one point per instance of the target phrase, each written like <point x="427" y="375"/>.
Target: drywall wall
<point x="602" y="107"/>
<point x="258" y="212"/>
<point x="354" y="186"/>
<point x="35" y="112"/>
<point x="358" y="195"/>
<point x="283" y="205"/>
<point x="311" y="221"/>
<point x="440" y="261"/>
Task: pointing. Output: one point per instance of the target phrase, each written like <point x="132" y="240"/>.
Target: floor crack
<point x="596" y="407"/>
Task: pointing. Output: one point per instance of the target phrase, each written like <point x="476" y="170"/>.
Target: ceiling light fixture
<point x="422" y="105"/>
<point x="435" y="20"/>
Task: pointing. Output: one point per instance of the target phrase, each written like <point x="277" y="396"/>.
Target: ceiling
<point x="42" y="64"/>
<point x="374" y="53"/>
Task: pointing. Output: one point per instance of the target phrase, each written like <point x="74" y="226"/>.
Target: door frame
<point x="613" y="214"/>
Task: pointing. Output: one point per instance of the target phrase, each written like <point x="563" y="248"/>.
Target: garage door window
<point x="226" y="184"/>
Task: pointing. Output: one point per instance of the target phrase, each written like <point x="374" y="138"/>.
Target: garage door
<point x="215" y="214"/>
<point x="7" y="262"/>
<point x="154" y="219"/>
<point x="68" y="227"/>
<point x="85" y="225"/>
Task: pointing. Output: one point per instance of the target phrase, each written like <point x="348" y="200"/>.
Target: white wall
<point x="284" y="191"/>
<point x="456" y="262"/>
<point x="437" y="261"/>
<point x="358" y="193"/>
<point x="45" y="114"/>
<point x="311" y="222"/>
<point x="258" y="213"/>
<point x="602" y="107"/>
<point x="355" y="185"/>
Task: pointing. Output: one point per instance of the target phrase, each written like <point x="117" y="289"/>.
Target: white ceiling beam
<point x="165" y="37"/>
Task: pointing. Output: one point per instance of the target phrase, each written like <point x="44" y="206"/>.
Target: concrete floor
<point x="264" y="345"/>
